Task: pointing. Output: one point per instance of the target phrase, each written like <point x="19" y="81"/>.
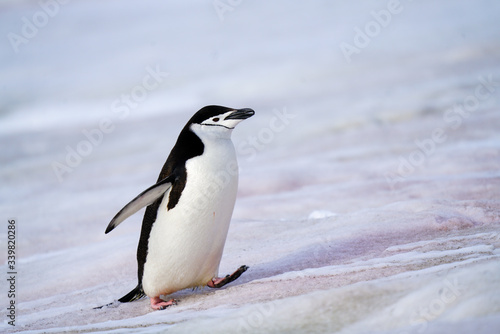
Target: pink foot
<point x="219" y="282"/>
<point x="159" y="304"/>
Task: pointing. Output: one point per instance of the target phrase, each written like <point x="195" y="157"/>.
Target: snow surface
<point x="369" y="198"/>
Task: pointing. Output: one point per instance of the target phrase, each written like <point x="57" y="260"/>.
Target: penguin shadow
<point x="321" y="254"/>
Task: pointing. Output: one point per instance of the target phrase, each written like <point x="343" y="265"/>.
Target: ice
<point x="369" y="198"/>
<point x="319" y="214"/>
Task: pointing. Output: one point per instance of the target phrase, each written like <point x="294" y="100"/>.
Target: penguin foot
<point x="159" y="304"/>
<point x="218" y="282"/>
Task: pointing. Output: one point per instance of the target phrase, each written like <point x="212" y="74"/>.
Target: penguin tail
<point x="136" y="294"/>
<point x="133" y="295"/>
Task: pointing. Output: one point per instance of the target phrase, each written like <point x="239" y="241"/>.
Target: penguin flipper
<point x="145" y="198"/>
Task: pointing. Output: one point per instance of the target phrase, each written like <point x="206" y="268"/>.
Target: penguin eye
<point x="216" y="119"/>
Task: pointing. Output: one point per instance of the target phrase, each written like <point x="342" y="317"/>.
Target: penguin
<point x="188" y="210"/>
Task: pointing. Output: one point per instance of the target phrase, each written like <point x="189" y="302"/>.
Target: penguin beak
<point x="241" y="114"/>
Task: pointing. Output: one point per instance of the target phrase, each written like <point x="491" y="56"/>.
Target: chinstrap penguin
<point x="188" y="210"/>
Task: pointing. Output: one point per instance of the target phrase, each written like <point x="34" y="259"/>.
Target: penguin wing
<point x="145" y="198"/>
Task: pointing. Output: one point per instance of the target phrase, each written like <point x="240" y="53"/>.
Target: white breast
<point x="186" y="243"/>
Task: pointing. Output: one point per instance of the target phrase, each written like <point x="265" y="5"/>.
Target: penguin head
<point x="217" y="120"/>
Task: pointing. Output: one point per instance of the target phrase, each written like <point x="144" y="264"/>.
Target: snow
<point x="369" y="198"/>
